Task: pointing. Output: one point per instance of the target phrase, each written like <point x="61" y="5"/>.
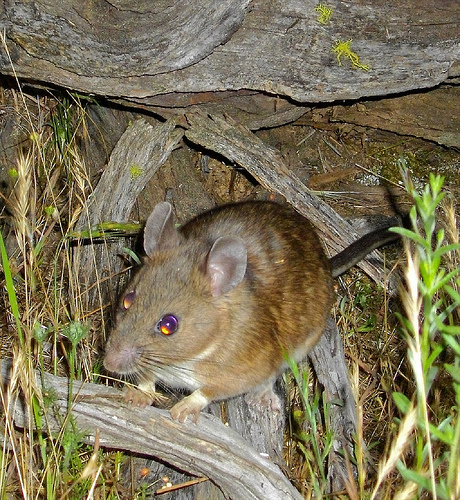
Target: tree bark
<point x="141" y="150"/>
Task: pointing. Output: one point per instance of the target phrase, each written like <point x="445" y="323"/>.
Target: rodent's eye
<point x="128" y="300"/>
<point x="167" y="325"/>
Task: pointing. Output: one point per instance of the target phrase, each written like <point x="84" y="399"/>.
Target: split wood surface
<point x="197" y="51"/>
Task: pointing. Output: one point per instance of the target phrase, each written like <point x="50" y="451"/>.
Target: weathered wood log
<point x="434" y="115"/>
<point x="240" y="145"/>
<point x="139" y="153"/>
<point x="328" y="360"/>
<point x="101" y="39"/>
<point x="163" y="54"/>
<point x="207" y="448"/>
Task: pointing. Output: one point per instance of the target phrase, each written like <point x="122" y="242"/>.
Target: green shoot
<point x="430" y="299"/>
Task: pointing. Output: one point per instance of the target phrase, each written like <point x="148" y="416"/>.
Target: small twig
<point x="186" y="484"/>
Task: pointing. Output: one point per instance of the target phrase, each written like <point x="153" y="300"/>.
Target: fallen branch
<point x="207" y="448"/>
<point x="160" y="52"/>
<point x="237" y="143"/>
<point x="139" y="153"/>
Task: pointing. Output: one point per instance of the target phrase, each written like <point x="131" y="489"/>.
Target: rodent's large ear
<point x="227" y="261"/>
<point x="159" y="232"/>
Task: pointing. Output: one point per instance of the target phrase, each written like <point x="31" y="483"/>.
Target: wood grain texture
<point x="138" y="154"/>
<point x="103" y="39"/>
<point x="207" y="448"/>
<point x="278" y="47"/>
<point x="328" y="360"/>
<point x="434" y="115"/>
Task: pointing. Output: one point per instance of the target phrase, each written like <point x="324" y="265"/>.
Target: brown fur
<point x="236" y="341"/>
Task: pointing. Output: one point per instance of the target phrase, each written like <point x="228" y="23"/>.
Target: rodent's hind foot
<point x="264" y="397"/>
<point x="189" y="406"/>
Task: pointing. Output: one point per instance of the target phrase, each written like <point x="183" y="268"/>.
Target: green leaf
<point x="444" y="431"/>
<point x="436" y="351"/>
<point x="402" y="402"/>
<point x="133" y="255"/>
<point x="453" y="294"/>
<point x="10" y="288"/>
<point x="411" y="235"/>
<point x="75" y="331"/>
<point x="454" y="371"/>
<point x="438" y="253"/>
<point x="448" y="329"/>
<point x="107" y="230"/>
<point x="40" y="333"/>
<point x="415" y="477"/>
<point x="422" y="481"/>
<point x="451" y="341"/>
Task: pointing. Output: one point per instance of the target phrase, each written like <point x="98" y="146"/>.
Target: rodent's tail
<point x="356" y="252"/>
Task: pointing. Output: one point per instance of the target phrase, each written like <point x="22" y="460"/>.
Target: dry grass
<point x="49" y="186"/>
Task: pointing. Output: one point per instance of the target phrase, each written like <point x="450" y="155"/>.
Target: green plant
<point x="358" y="308"/>
<point x="430" y="301"/>
<point x="315" y="444"/>
<point x="40" y="296"/>
<point x="10" y="288"/>
<point x="324" y="13"/>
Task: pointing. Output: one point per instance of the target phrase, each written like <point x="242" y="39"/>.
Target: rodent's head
<point x="175" y="308"/>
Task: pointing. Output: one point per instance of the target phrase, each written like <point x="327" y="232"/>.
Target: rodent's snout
<point x="122" y="360"/>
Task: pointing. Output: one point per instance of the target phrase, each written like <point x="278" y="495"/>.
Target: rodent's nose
<point x="121" y="360"/>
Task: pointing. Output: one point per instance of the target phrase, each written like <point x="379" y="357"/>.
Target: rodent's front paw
<point x="137" y="397"/>
<point x="190" y="405"/>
